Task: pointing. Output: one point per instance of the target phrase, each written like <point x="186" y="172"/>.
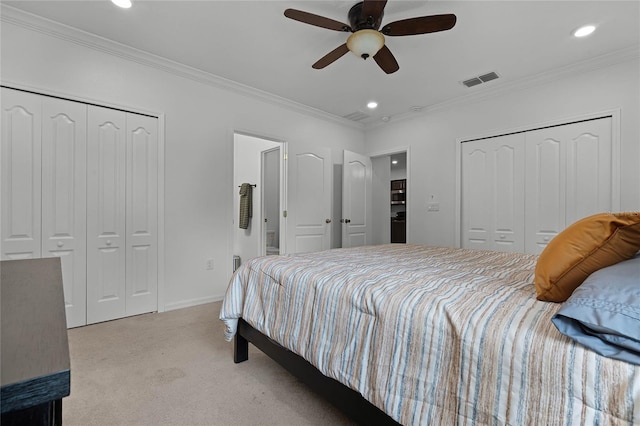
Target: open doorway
<point x="390" y="197"/>
<point x="398" y="194"/>
<point x="258" y="162"/>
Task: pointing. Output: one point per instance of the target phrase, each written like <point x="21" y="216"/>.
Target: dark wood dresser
<point x="35" y="369"/>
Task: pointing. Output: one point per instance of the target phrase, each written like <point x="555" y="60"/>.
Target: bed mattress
<point x="433" y="335"/>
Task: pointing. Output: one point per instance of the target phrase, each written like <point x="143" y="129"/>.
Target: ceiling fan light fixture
<point x="365" y="43"/>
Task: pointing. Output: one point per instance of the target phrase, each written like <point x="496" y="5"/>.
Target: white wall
<point x="201" y="118"/>
<point x="432" y="137"/>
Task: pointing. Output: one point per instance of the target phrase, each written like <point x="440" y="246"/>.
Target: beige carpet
<point x="175" y="368"/>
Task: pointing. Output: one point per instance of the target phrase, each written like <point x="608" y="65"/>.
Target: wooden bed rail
<point x="344" y="398"/>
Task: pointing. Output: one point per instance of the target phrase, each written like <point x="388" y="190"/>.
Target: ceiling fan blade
<point x="373" y="8"/>
<point x="386" y="60"/>
<point x="420" y="25"/>
<point x="331" y="57"/>
<point x="318" y="21"/>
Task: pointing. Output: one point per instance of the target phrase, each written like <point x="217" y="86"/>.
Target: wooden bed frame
<point x="343" y="397"/>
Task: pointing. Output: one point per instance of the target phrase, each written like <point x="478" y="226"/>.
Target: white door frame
<point x="615" y="156"/>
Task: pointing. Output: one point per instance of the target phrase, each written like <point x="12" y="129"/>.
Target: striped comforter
<point x="433" y="336"/>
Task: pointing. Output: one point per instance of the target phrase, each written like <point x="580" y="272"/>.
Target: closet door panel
<point x="508" y="193"/>
<point x="588" y="168"/>
<point x="64" y="198"/>
<point x="545" y="188"/>
<point x="477" y="195"/>
<point x="21" y="174"/>
<point x="142" y="214"/>
<point x="106" y="188"/>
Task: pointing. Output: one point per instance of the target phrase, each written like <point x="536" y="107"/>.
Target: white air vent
<point x="480" y="79"/>
<point x="488" y="77"/>
<point x="356" y="116"/>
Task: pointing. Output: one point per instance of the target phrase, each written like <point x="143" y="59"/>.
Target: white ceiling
<point x="252" y="43"/>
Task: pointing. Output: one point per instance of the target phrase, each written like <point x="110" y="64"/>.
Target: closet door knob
<point x="327" y="221"/>
<point x="60" y="243"/>
<point x="108" y="242"/>
<point x="502" y="237"/>
<point x="347" y="221"/>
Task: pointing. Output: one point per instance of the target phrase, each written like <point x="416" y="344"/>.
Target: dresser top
<point x="34" y="346"/>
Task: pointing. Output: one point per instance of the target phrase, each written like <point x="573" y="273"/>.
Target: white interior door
<point x="309" y="200"/>
<point x="64" y="202"/>
<point x="106" y="189"/>
<point x="356" y="200"/>
<point x="142" y="214"/>
<point x="21" y="175"/>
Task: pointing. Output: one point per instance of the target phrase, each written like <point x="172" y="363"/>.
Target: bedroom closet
<point x="80" y="182"/>
<point x="519" y="190"/>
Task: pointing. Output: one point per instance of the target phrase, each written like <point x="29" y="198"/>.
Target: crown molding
<point x="631" y="53"/>
<point x="85" y="39"/>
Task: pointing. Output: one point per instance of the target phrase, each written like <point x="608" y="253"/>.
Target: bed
<point x="426" y="335"/>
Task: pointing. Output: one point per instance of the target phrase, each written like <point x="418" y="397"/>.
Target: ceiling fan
<point x="367" y="38"/>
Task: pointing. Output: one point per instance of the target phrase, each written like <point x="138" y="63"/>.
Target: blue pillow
<point x="603" y="314"/>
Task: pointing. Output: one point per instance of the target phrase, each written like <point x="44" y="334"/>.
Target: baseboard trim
<point x="192" y="302"/>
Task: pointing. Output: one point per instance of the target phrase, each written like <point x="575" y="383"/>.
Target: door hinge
<point x="284" y="213"/>
<point x="285" y="156"/>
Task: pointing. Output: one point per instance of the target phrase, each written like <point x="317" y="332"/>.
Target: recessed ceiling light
<point x="372" y="105"/>
<point x="584" y="31"/>
<point x="125" y="4"/>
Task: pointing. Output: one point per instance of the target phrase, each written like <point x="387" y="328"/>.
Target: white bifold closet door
<point x="569" y="176"/>
<point x="81" y="182"/>
<point x="21" y="175"/>
<point x="64" y="192"/>
<point x="44" y="188"/>
<point x="492" y="193"/>
<point x="521" y="190"/>
<point x="122" y="208"/>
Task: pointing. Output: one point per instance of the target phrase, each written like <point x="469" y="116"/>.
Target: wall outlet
<point x="209" y="264"/>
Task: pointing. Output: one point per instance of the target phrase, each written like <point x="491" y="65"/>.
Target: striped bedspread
<point x="433" y="336"/>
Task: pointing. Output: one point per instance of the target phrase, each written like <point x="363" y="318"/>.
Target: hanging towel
<point x="246" y="205"/>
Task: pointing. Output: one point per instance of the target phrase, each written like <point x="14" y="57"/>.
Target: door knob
<point x="108" y="242"/>
<point x="60" y="243"/>
<point x="347" y="221"/>
<point x="327" y="221"/>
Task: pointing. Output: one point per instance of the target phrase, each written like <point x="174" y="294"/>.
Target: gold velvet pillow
<point x="584" y="247"/>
